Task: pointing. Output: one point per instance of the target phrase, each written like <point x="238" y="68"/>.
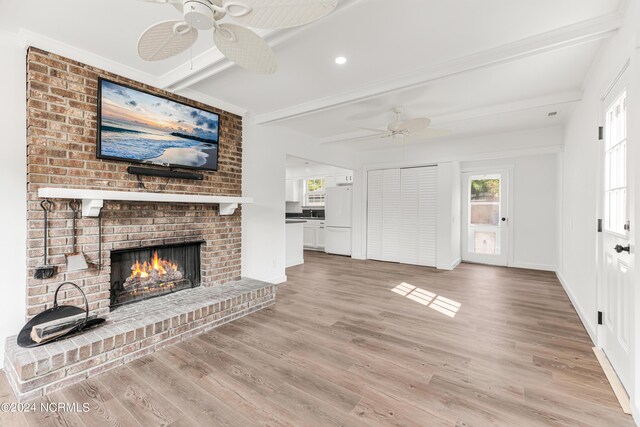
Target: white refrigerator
<point x="337" y="211"/>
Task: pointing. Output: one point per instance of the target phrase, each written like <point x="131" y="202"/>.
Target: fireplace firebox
<point x="142" y="273"/>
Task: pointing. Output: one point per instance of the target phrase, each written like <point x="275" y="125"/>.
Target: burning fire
<point x="158" y="265"/>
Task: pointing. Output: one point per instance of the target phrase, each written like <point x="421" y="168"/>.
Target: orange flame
<point x="158" y="264"/>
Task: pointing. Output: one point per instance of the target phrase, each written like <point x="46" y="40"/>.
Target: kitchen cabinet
<point x="293" y="190"/>
<point x="294" y="254"/>
<point x="314" y="235"/>
<point x="343" y="179"/>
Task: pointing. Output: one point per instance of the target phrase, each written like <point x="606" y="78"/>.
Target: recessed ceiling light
<point x="341" y="60"/>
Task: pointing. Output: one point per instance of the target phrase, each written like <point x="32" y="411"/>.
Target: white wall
<point x="313" y="171"/>
<point x="448" y="220"/>
<point x="264" y="153"/>
<point x="533" y="213"/>
<point x="526" y="151"/>
<point x="13" y="187"/>
<point x="578" y="269"/>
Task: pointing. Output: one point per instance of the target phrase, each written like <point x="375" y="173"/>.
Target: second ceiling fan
<point x="237" y="42"/>
<point x="401" y="130"/>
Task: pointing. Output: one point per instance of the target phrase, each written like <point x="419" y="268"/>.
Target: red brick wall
<point x="62" y="125"/>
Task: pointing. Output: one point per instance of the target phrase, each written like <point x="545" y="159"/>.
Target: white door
<point x="485" y="226"/>
<point x="418" y="212"/>
<point x="615" y="296"/>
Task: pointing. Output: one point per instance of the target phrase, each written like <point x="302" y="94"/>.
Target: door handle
<point x="504" y="219"/>
<point x="620" y="249"/>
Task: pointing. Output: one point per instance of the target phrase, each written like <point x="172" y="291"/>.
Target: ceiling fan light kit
<point x="237" y="42"/>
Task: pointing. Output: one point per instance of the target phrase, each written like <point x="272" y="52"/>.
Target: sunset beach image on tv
<point x="140" y="127"/>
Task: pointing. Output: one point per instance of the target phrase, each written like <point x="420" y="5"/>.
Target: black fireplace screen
<point x="142" y="273"/>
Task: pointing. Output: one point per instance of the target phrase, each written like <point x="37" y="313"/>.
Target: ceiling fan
<point x="237" y="42"/>
<point x="402" y="130"/>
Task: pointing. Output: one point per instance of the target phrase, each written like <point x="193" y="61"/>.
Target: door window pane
<point x="615" y="209"/>
<point x="485" y="213"/>
<point x="485" y="242"/>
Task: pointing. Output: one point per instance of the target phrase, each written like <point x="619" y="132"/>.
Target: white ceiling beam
<point x="561" y="38"/>
<point x="556" y="100"/>
<point x="212" y="62"/>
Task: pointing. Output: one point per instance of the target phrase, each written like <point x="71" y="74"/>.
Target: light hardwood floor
<point x="340" y="348"/>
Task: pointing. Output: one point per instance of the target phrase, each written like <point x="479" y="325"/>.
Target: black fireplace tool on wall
<point x="45" y="271"/>
<point x="58" y="322"/>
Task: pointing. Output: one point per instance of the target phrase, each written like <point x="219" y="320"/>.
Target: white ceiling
<point x="473" y="67"/>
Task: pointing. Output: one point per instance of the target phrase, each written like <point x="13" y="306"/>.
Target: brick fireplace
<point x="62" y="126"/>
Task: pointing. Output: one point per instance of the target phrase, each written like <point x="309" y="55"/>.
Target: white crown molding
<point x="214" y="102"/>
<point x="561" y="38"/>
<point x="212" y="62"/>
<point x="40" y="41"/>
<point x="555" y="100"/>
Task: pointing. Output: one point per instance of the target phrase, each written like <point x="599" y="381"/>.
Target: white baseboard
<point x="635" y="412"/>
<point x="584" y="317"/>
<point x="451" y="266"/>
<point x="533" y="266"/>
<point x="277" y="280"/>
<point x="294" y="263"/>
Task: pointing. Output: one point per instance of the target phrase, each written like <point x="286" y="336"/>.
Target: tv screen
<point x="136" y="126"/>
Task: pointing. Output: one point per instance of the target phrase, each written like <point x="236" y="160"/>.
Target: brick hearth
<point x="131" y="332"/>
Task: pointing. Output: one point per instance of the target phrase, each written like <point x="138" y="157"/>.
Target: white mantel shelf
<point x="93" y="200"/>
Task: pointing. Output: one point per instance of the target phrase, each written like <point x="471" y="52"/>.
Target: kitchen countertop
<point x="295" y="221"/>
<point x="308" y="218"/>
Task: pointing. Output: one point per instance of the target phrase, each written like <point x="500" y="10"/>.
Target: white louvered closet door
<point x="427" y="215"/>
<point x="374" y="214"/>
<point x="390" y="214"/>
<point x="408" y="241"/>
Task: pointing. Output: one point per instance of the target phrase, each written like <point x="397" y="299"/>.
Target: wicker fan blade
<point x="273" y="14"/>
<point x="432" y="133"/>
<point x="166" y="39"/>
<point x="413" y="125"/>
<point x="245" y="48"/>
<point x="385" y="131"/>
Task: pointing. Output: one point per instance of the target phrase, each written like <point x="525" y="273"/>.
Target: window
<point x="314" y="192"/>
<point x="615" y="212"/>
<point x="484" y="214"/>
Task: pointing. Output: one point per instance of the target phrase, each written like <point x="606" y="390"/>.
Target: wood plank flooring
<point x="340" y="348"/>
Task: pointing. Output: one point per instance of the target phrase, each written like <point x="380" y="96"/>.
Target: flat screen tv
<point x="137" y="126"/>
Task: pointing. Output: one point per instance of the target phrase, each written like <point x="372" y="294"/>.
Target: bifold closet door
<point x="427" y="215"/>
<point x="418" y="210"/>
<point x="390" y="214"/>
<point x="408" y="239"/>
<point x="383" y="214"/>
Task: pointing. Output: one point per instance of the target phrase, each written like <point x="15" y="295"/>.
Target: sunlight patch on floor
<point x="439" y="303"/>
